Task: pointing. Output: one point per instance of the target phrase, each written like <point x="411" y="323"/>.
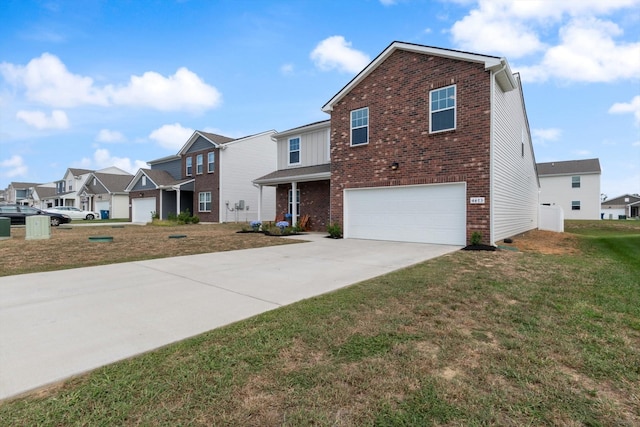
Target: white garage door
<point x="416" y="213"/>
<point x="141" y="209"/>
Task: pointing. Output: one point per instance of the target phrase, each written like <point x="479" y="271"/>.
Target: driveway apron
<point x="56" y="325"/>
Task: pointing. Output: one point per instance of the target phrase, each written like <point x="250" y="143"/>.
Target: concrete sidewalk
<point x="59" y="324"/>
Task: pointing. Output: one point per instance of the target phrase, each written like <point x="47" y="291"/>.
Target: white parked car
<point x="74" y="213"/>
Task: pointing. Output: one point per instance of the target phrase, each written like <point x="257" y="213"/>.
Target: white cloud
<point x="541" y="136"/>
<point x="183" y="90"/>
<point x="587" y="53"/>
<point x="336" y="53"/>
<point x="13" y="167"/>
<point x="286" y="69"/>
<point x="40" y="120"/>
<point x="102" y="158"/>
<point x="172" y="136"/>
<point x="106" y="135"/>
<point x="628" y="107"/>
<point x="46" y="80"/>
<point x="587" y="49"/>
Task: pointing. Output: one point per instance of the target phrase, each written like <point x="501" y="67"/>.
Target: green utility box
<point x="5" y="228"/>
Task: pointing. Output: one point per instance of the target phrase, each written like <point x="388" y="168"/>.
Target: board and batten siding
<point x="514" y="178"/>
<point x="314" y="149"/>
<point x="241" y="162"/>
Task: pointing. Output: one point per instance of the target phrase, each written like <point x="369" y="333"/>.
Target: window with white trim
<point x="360" y="126"/>
<point x="204" y="200"/>
<point x="199" y="165"/>
<point x="189" y="166"/>
<point x="575" y="182"/>
<point x="144" y="180"/>
<point x="211" y="161"/>
<point x="294" y="150"/>
<point x="442" y="105"/>
<point x="575" y="205"/>
<point x="297" y="202"/>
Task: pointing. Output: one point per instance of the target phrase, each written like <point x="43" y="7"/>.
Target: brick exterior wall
<point x="397" y="95"/>
<point x="314" y="201"/>
<point x="204" y="182"/>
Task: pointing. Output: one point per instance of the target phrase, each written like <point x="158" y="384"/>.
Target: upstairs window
<point x="189" y="166"/>
<point x="144" y="180"/>
<point x="360" y="126"/>
<point x="575" y="205"/>
<point x="199" y="164"/>
<point x="443" y="109"/>
<point x="211" y="161"/>
<point x="575" y="182"/>
<point x="294" y="151"/>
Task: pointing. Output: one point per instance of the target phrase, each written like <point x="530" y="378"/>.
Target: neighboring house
<point x="44" y="195"/>
<point x="210" y="176"/>
<point x="20" y="193"/>
<point x="67" y="188"/>
<point x="627" y="205"/>
<point x="105" y="191"/>
<point x="574" y="185"/>
<point x="304" y="169"/>
<point x="431" y="145"/>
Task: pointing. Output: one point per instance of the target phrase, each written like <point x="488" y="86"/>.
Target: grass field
<point x="512" y="337"/>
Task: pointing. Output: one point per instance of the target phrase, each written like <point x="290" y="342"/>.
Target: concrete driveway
<point x="59" y="324"/>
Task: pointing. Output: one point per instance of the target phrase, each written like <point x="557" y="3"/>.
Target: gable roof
<point x="569" y="167"/>
<point x="77" y="172"/>
<point x="620" y="200"/>
<point x="504" y="76"/>
<point x="161" y="179"/>
<point x="16" y="185"/>
<point x="304" y="128"/>
<point x="114" y="183"/>
<point x="215" y="139"/>
<point x="44" y="191"/>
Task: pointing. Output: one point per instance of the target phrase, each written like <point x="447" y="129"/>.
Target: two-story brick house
<point x="210" y="176"/>
<point x="431" y="145"/>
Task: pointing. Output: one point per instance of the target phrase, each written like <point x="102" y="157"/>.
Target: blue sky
<point x="92" y="84"/>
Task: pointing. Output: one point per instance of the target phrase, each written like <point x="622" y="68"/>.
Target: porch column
<point x="294" y="204"/>
<point x="178" y="201"/>
<point x="159" y="213"/>
<point x="259" y="202"/>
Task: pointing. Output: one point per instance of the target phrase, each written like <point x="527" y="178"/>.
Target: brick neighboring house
<point x="210" y="176"/>
<point x="304" y="169"/>
<point x="431" y="145"/>
<point x="574" y="185"/>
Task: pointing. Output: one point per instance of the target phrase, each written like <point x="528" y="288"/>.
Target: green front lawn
<point x="471" y="338"/>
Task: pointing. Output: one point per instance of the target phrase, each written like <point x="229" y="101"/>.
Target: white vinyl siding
<point x="239" y="163"/>
<point x="514" y="184"/>
<point x="558" y="190"/>
<point x="313" y="149"/>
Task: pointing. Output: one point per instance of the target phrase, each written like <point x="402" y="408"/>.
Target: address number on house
<point x="476" y="200"/>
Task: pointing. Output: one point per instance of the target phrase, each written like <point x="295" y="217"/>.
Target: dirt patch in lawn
<point x="545" y="242"/>
<point x="70" y="246"/>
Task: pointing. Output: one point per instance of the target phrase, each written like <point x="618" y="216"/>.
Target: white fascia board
<point x="488" y="61"/>
<point x="247" y="138"/>
<point x="304" y="129"/>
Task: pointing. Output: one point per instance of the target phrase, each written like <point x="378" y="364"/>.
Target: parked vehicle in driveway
<point x="74" y="213"/>
<point x="18" y="214"/>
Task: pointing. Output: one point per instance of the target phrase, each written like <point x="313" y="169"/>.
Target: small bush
<point x="334" y="230"/>
<point x="476" y="238"/>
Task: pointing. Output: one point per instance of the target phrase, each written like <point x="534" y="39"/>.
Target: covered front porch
<point x="300" y="192"/>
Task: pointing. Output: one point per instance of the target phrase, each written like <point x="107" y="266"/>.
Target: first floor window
<point x="205" y="201"/>
<point x="575" y="205"/>
<point x="211" y="161"/>
<point x="442" y="104"/>
<point x="199" y="164"/>
<point x="575" y="182"/>
<point x="297" y="202"/>
<point x="189" y="166"/>
<point x="360" y="126"/>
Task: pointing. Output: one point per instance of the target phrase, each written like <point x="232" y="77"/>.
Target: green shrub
<point x="476" y="238"/>
<point x="334" y="230"/>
